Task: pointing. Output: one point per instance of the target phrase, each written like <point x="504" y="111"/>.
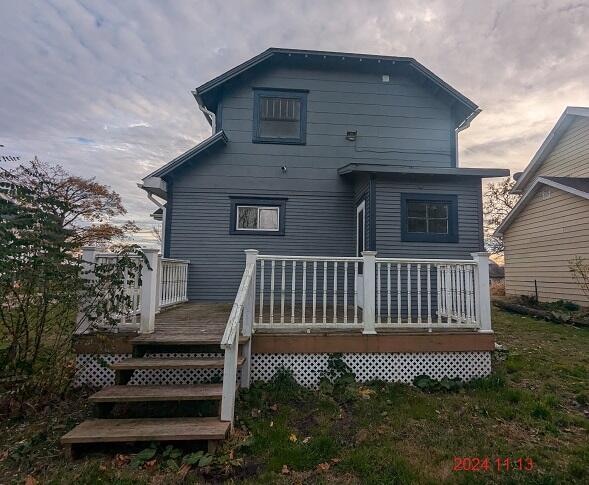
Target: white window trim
<point x="258" y="207"/>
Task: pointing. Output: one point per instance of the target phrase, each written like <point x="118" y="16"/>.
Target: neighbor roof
<point x="380" y="168"/>
<point x="573" y="185"/>
<point x="218" y="139"/>
<point x="565" y="120"/>
<point x="207" y="94"/>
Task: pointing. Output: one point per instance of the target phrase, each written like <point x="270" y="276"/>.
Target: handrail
<point x="233" y="322"/>
<point x="426" y="261"/>
<point x="269" y="257"/>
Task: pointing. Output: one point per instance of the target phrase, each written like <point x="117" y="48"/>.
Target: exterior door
<point x="360" y="247"/>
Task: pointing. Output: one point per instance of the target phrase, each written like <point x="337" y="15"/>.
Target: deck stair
<point x="147" y="352"/>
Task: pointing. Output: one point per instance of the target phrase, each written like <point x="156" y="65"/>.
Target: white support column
<point x="88" y="262"/>
<point x="482" y="291"/>
<point x="158" y="289"/>
<point x="251" y="256"/>
<point x="148" y="291"/>
<point x="369" y="260"/>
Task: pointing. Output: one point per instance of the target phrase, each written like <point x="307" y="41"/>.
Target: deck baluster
<point x="282" y="290"/>
<point x="272" y="292"/>
<point x="355" y="291"/>
<point x="429" y="295"/>
<point x="292" y="292"/>
<point x="325" y="292"/>
<point x="378" y="265"/>
<point x="261" y="318"/>
<point x="335" y="292"/>
<point x="345" y="292"/>
<point x="399" y="293"/>
<point x="419" y="293"/>
<point x="388" y="293"/>
<point x="409" y="302"/>
<point x="304" y="299"/>
<point x="314" y="292"/>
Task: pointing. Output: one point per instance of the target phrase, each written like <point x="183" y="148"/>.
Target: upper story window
<point x="280" y="116"/>
<point x="256" y="215"/>
<point x="429" y="218"/>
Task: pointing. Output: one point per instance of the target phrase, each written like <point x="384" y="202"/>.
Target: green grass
<point x="534" y="405"/>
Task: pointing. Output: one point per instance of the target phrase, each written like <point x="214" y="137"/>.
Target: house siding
<point x="570" y="156"/>
<point x="398" y="123"/>
<point x="541" y="241"/>
<point x="388" y="223"/>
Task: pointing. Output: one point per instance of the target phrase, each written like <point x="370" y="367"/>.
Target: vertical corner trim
<point x="372" y="209"/>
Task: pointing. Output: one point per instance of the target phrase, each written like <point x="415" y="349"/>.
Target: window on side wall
<point x="429" y="218"/>
<point x="257" y="216"/>
<point x="280" y="116"/>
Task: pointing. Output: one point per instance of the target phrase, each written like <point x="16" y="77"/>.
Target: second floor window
<point x="279" y="116"/>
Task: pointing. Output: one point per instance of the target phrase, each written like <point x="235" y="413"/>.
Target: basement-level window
<point x="280" y="116"/>
<point x="257" y="216"/>
<point x="429" y="218"/>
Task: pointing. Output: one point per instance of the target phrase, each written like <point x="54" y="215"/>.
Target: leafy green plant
<point x="143" y="456"/>
<point x="428" y="384"/>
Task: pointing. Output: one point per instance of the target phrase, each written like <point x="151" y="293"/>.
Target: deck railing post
<point x="482" y="291"/>
<point x="369" y="265"/>
<point x="148" y="291"/>
<point x="158" y="289"/>
<point x="88" y="262"/>
<point x="251" y="256"/>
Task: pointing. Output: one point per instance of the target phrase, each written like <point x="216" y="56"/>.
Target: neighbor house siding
<point x="388" y="221"/>
<point x="570" y="156"/>
<point x="541" y="242"/>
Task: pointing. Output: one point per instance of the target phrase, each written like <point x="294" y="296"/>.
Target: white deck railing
<point x="305" y="292"/>
<point x="164" y="283"/>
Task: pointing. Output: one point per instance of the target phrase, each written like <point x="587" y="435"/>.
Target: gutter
<point x="163" y="208"/>
<point x="463" y="126"/>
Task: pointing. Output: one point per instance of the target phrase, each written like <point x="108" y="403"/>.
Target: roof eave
<point x="219" y="137"/>
<point x="521" y="203"/>
<point x="547" y="145"/>
<point x="400" y="170"/>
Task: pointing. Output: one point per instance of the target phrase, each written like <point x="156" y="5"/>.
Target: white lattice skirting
<point x="401" y="367"/>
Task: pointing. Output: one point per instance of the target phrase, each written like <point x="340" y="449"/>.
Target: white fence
<point x="164" y="285"/>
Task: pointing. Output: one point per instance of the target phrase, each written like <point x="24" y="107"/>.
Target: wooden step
<point x="171" y="363"/>
<point x="180" y="338"/>
<point x="197" y="392"/>
<point x="161" y="429"/>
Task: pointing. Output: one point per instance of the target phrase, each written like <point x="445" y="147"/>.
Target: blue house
<point x="321" y="153"/>
<point x="326" y="213"/>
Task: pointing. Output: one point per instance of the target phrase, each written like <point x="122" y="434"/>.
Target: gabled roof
<point x="207" y="94"/>
<point x="219" y="138"/>
<point x="565" y="120"/>
<point x="573" y="185"/>
<point x="412" y="170"/>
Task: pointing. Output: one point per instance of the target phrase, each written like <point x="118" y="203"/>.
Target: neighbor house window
<point x="279" y="116"/>
<point x="429" y="218"/>
<point x="252" y="215"/>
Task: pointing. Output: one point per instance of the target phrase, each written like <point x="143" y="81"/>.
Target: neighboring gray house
<point x="320" y="153"/>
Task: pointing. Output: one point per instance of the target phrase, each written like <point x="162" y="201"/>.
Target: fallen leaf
<point x="285" y="470"/>
<point x="323" y="467"/>
<point x="274" y="407"/>
<point x="103" y="467"/>
<point x="362" y="436"/>
<point x="149" y="465"/>
<point x="366" y="393"/>
<point x="184" y="469"/>
<point x="306" y="440"/>
<point x="256" y="413"/>
<point x="293" y="438"/>
<point x="31" y="480"/>
<point x="335" y="460"/>
<point x="3" y="455"/>
<point x="121" y="460"/>
<point x="271" y="424"/>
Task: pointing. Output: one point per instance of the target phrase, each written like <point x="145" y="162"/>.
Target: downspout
<point x="209" y="115"/>
<point x="163" y="208"/>
<point x="463" y="126"/>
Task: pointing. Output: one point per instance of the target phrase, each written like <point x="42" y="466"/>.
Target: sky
<point x="103" y="87"/>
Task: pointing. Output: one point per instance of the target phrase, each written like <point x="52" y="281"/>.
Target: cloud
<point x="103" y="87"/>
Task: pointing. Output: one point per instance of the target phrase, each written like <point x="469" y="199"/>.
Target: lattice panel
<point x="93" y="371"/>
<point x="401" y="367"/>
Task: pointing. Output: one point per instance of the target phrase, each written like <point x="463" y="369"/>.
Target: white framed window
<point x="257" y="218"/>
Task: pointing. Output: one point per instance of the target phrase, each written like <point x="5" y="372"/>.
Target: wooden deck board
<point x="150" y="429"/>
<point x="171" y="363"/>
<point x="197" y="392"/>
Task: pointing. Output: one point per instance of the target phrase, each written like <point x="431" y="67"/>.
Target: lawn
<point x="534" y="407"/>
